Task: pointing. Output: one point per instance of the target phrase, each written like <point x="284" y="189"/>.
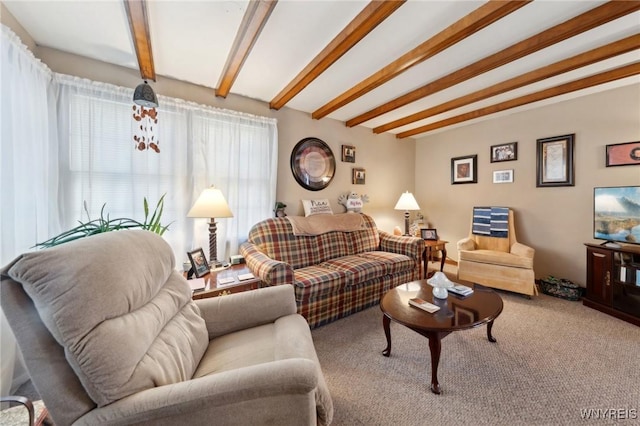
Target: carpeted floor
<point x="552" y="360"/>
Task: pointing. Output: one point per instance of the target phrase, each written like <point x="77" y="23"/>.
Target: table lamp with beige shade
<point x="211" y="204"/>
<point x="407" y="202"/>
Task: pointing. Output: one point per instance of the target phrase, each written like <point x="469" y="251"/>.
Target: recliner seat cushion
<point x="496" y="258"/>
<point x="152" y="334"/>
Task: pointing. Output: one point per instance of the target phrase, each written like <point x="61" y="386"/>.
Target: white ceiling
<point x="192" y="39"/>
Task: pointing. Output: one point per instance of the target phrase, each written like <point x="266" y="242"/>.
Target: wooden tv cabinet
<point x="613" y="281"/>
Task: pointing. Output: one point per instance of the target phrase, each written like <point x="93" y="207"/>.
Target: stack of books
<point x="460" y="290"/>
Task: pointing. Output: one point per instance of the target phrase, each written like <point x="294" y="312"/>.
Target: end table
<point x="430" y="247"/>
<point x="214" y="288"/>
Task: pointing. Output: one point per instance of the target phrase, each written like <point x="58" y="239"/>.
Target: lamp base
<point x="406" y="223"/>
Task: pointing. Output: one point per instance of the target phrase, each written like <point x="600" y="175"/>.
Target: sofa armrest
<point x="238" y="311"/>
<point x="466" y="244"/>
<point x="409" y="246"/>
<point x="522" y="250"/>
<point x="270" y="271"/>
<point x="205" y="398"/>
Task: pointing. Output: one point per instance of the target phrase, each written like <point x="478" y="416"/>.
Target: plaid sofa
<point x="334" y="274"/>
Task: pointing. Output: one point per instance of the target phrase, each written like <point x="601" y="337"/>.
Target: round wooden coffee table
<point x="456" y="313"/>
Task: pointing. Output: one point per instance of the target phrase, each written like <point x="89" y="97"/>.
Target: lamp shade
<point x="144" y="96"/>
<point x="210" y="203"/>
<point x="407" y="202"/>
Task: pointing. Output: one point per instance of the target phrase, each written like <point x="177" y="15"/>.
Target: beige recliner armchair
<point x="498" y="262"/>
<point x="110" y="335"/>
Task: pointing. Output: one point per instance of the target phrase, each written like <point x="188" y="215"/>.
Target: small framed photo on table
<point x="429" y="234"/>
<point x="198" y="262"/>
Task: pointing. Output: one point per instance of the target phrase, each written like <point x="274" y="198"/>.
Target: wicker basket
<point x="562" y="288"/>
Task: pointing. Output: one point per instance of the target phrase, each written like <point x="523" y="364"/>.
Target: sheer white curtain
<point x="99" y="165"/>
<point x="199" y="146"/>
<point x="238" y="153"/>
<point x="28" y="170"/>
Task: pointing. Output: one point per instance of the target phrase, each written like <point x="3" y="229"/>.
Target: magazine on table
<point x="460" y="290"/>
<point x="424" y="305"/>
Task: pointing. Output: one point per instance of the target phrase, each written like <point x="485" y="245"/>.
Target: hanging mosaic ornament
<point x="145" y="136"/>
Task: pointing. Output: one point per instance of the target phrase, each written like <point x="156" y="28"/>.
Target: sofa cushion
<point x="496" y="258"/>
<point x="358" y="269"/>
<point x="150" y="335"/>
<point x="393" y="262"/>
<point x="274" y="237"/>
<point x="320" y="280"/>
<point x="365" y="240"/>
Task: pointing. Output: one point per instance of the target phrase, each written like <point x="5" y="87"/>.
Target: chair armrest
<point x="522" y="250"/>
<point x="198" y="400"/>
<point x="270" y="271"/>
<point x="409" y="246"/>
<point x="466" y="244"/>
<point x="239" y="311"/>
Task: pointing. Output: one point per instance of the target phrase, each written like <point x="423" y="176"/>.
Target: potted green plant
<point x="106" y="224"/>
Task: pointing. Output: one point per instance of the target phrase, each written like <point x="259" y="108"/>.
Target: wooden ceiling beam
<point x="139" y="26"/>
<point x="253" y="22"/>
<point x="610" y="50"/>
<point x="463" y="28"/>
<point x="369" y="18"/>
<point x="591" y="19"/>
<point x="583" y="83"/>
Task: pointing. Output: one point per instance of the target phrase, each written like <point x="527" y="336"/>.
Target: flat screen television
<point x="616" y="214"/>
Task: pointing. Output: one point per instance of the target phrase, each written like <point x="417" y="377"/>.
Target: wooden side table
<point x="215" y="288"/>
<point x="430" y="247"/>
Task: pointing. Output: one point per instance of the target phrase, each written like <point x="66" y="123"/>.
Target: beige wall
<point x="8" y="19"/>
<point x="555" y="221"/>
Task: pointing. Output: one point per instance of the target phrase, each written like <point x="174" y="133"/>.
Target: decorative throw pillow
<point x="312" y="207"/>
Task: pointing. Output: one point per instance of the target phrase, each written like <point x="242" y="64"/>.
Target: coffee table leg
<point x="435" y="348"/>
<point x="386" y="322"/>
<point x="489" y="336"/>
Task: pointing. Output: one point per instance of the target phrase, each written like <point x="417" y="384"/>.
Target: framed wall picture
<point x="429" y="234"/>
<point x="198" y="262"/>
<point x="312" y="164"/>
<point x="504" y="152"/>
<point x="358" y="176"/>
<point x="623" y="154"/>
<point x="503" y="176"/>
<point x="348" y="153"/>
<point x="555" y="161"/>
<point x="464" y="169"/>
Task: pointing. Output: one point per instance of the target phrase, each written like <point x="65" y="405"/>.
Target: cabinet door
<point x="599" y="265"/>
